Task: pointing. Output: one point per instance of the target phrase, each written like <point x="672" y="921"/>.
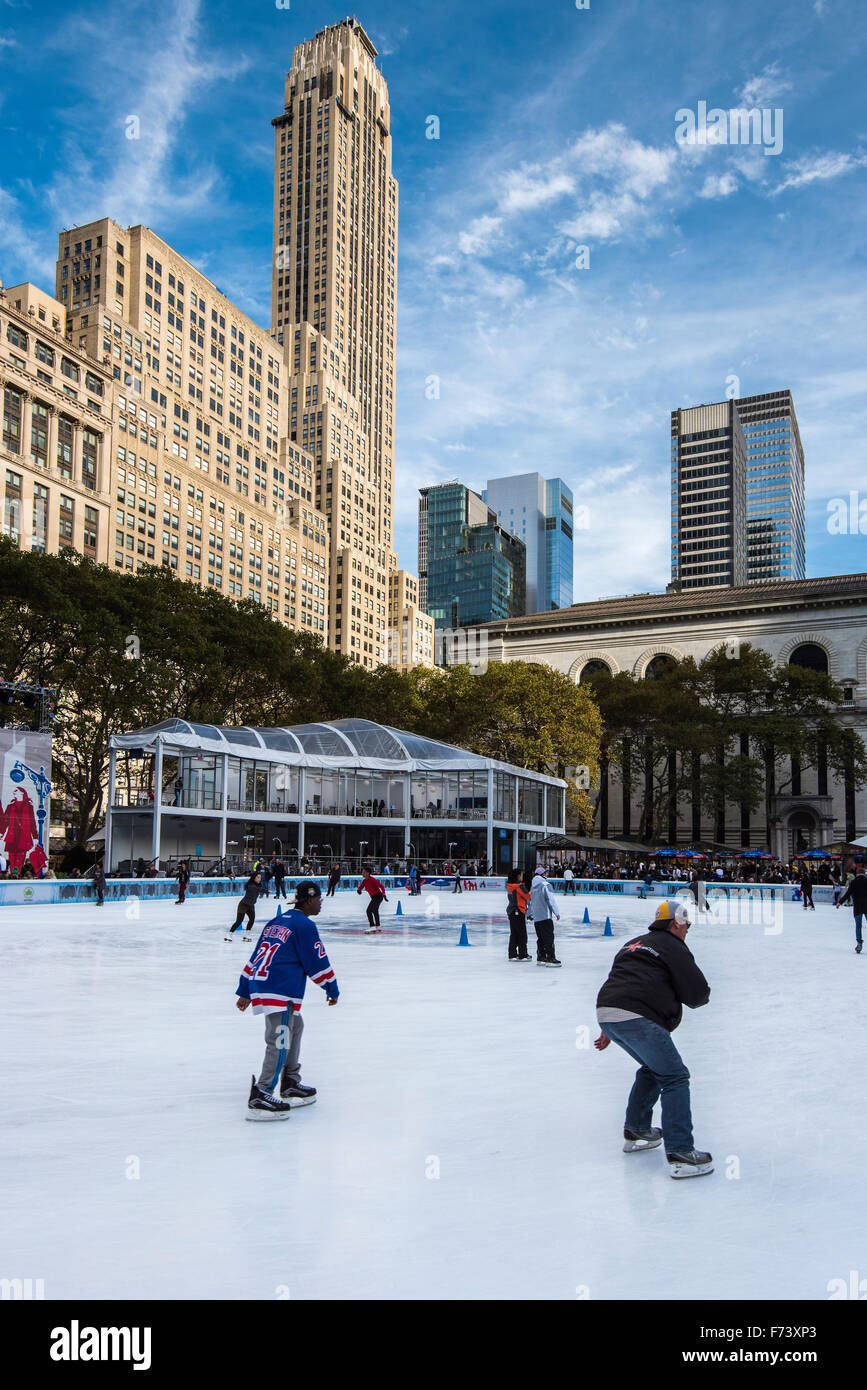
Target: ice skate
<point x="692" y="1164"/>
<point x="858" y="946"/>
<point x="296" y="1094"/>
<point x="262" y="1106"/>
<point x="551" y="960"/>
<point x="635" y="1141"/>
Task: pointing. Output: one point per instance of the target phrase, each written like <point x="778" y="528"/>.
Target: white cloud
<point x="527" y="188"/>
<point x="480" y="235"/>
<point x="764" y="88"/>
<point x="8" y="43"/>
<point x="625" y="173"/>
<point x="719" y="185"/>
<point x="811" y="168"/>
<point x="143" y="179"/>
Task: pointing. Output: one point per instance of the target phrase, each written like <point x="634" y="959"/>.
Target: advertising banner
<point x="25" y="798"/>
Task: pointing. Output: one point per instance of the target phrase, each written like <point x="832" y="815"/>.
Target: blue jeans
<point x="859" y="918"/>
<point x="661" y="1073"/>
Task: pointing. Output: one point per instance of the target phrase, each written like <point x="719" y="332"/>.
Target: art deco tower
<point x="333" y="310"/>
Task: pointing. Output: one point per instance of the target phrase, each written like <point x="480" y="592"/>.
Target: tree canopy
<point x="124" y="651"/>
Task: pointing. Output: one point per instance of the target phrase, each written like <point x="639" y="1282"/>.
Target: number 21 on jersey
<point x="261" y="961"/>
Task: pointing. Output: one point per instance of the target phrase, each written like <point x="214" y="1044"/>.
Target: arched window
<point x="658" y="666"/>
<point x="811" y="656"/>
<point x="594" y="668"/>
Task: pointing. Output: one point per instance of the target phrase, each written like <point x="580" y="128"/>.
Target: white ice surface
<point x="121" y="1042"/>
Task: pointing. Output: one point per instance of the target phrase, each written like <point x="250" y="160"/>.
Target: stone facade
<point x="627" y="633"/>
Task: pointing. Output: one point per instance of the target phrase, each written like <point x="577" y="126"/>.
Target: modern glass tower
<point x="775" y="487"/>
<point x="559" y="523"/>
<point x="737" y="493"/>
<point x="539" y="513"/>
<point x="473" y="571"/>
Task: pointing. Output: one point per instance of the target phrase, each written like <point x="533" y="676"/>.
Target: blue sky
<point x="557" y="130"/>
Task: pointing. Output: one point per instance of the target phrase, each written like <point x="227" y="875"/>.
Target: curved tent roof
<point x="345" y="743"/>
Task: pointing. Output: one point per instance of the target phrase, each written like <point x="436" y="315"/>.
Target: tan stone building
<point x="410" y="631"/>
<point x="819" y="623"/>
<point x="333" y="309"/>
<point x="203" y="479"/>
<point x="259" y="464"/>
<point x="56" y="443"/>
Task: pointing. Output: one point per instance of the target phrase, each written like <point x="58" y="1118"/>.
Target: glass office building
<point x="775" y="487"/>
<point x="737" y="493"/>
<point x="559" y="529"/>
<point x="473" y="570"/>
<point x="539" y="513"/>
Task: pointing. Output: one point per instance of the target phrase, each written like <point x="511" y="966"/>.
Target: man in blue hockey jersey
<point x="288" y="953"/>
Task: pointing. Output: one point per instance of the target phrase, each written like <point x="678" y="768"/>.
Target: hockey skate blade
<point x="637" y="1146"/>
<point x="689" y="1170"/>
<point x="264" y="1116"/>
<point x="295" y="1101"/>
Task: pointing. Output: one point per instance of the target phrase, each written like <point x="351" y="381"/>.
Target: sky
<point x="708" y="267"/>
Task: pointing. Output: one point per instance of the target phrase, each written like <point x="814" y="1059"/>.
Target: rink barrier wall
<point x="18" y="893"/>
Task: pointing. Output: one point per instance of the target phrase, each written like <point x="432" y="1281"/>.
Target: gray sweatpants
<point x="282" y="1050"/>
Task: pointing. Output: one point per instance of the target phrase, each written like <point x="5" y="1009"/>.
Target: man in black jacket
<point x="856" y="894"/>
<point x="639" y="1007"/>
<point x="99" y="884"/>
<point x="278" y="871"/>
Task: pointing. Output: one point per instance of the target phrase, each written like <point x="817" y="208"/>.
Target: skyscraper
<point x="333" y="308"/>
<point x="708" y="497"/>
<point x="737" y="492"/>
<point x="540" y="513"/>
<point x="559" y="534"/>
<point x="474" y="570"/>
<point x="775" y="487"/>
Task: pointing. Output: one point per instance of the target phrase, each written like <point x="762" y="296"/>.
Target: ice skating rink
<point x="466" y="1142"/>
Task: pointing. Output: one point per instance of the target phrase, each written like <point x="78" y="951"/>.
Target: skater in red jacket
<point x="377" y="895"/>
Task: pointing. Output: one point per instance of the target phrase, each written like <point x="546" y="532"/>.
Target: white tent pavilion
<point x="347" y="789"/>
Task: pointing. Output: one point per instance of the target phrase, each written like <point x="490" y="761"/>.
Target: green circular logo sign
<point x="28" y="892"/>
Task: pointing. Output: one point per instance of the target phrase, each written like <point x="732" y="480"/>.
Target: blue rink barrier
<point x="36" y="892"/>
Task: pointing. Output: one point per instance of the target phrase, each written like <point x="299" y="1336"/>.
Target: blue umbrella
<point x="817" y="854"/>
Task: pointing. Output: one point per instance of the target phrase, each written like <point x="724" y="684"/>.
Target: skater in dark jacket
<point x="99" y="884"/>
<point x="806" y="881"/>
<point x="856" y="894"/>
<point x="278" y="871"/>
<point x="183" y="877"/>
<point x="333" y="880"/>
<point x="638" y="1007"/>
<point x="247" y="906"/>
